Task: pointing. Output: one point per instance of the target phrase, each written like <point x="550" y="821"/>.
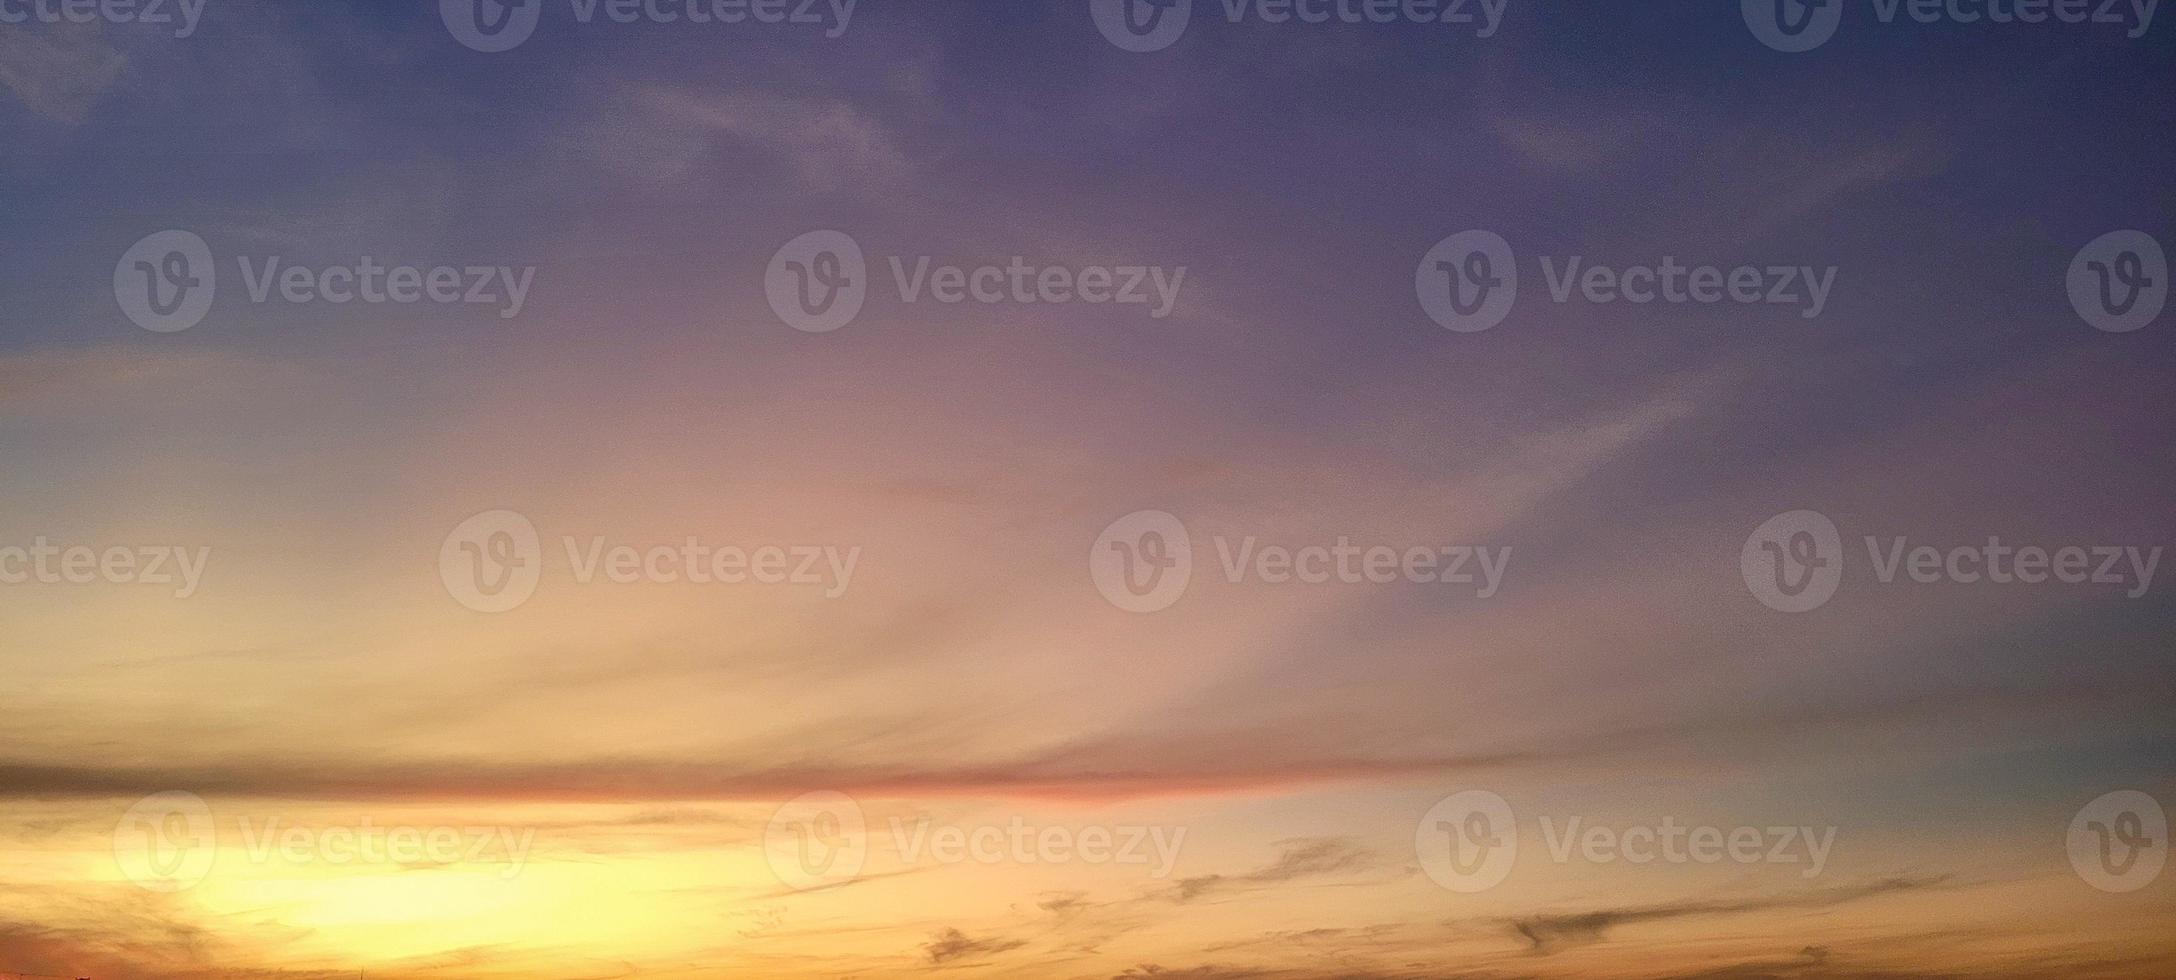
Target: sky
<point x="1085" y="489"/>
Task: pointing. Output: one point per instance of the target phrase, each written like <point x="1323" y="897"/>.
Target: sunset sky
<point x="629" y="773"/>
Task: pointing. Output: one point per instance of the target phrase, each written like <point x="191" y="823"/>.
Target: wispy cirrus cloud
<point x="1301" y="860"/>
<point x="1549" y="933"/>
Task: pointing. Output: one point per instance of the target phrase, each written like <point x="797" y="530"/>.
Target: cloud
<point x="1151" y="971"/>
<point x="116" y="934"/>
<point x="647" y="779"/>
<point x="1302" y="859"/>
<point x="951" y="945"/>
<point x="76" y="378"/>
<point x="1549" y="933"/>
<point x="1583" y="140"/>
<point x="58" y="73"/>
<point x="1087" y="770"/>
<point x="827" y="144"/>
<point x="1063" y="903"/>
